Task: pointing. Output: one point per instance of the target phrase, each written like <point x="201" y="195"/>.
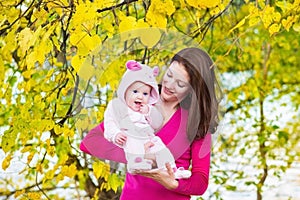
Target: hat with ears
<point x="142" y="73"/>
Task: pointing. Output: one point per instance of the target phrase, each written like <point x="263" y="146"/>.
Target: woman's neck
<point x="168" y="109"/>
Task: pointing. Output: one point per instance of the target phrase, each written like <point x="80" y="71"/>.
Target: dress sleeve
<point x="110" y="123"/>
<point x="200" y="155"/>
<point x="96" y="145"/>
<point x="154" y="117"/>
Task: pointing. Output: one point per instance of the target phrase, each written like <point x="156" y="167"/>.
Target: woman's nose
<point x="170" y="84"/>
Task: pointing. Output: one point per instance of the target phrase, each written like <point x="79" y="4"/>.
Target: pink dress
<point x="173" y="134"/>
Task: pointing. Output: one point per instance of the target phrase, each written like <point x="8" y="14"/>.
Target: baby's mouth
<point x="138" y="103"/>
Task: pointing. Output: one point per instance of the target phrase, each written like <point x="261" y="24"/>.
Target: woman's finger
<point x="148" y="145"/>
<point x="169" y="169"/>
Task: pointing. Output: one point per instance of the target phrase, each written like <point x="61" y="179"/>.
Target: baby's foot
<point x="182" y="173"/>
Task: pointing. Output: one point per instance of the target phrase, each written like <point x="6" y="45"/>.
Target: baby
<point x="131" y="119"/>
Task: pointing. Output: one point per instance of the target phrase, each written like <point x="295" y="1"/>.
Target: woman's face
<point x="175" y="83"/>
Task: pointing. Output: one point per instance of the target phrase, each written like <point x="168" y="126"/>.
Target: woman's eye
<point x="181" y="85"/>
<point x="135" y="91"/>
<point x="169" y="74"/>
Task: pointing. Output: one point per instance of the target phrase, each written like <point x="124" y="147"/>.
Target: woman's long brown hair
<point x="202" y="102"/>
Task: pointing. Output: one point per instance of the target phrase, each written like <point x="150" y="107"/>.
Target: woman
<point x="189" y="106"/>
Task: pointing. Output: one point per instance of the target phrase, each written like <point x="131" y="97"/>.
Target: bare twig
<point x="125" y="2"/>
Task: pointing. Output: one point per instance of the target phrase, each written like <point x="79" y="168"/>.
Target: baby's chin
<point x="135" y="108"/>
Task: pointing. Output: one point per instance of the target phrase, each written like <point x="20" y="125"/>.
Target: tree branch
<point x="207" y="24"/>
<point x="125" y="2"/>
<point x="3" y="30"/>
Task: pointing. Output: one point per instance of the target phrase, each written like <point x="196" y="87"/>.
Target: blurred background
<point x="61" y="60"/>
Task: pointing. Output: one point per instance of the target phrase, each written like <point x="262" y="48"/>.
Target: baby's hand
<point x="144" y="109"/>
<point x="121" y="139"/>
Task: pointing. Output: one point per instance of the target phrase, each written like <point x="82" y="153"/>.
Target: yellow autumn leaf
<point x="217" y="9"/>
<point x="62" y="159"/>
<point x="141" y="24"/>
<point x="69" y="171"/>
<point x="97" y="169"/>
<point x="35" y="36"/>
<point x="296" y="27"/>
<point x="31" y="59"/>
<point x="49" y="175"/>
<point x="8" y="140"/>
<point x="86" y="71"/>
<point x="107" y="25"/>
<point x="27" y="74"/>
<point x="82" y="124"/>
<point x="58" y="130"/>
<point x="276" y="17"/>
<point x="59" y="177"/>
<point x="287" y="23"/>
<point x="34" y="195"/>
<point x="68" y="132"/>
<point x="76" y="36"/>
<point x="127" y="28"/>
<point x="101" y="169"/>
<point x="158" y="12"/>
<point x="39" y="168"/>
<point x="274" y="28"/>
<point x="24" y="38"/>
<point x="114" y="182"/>
<point x="30" y="157"/>
<point x="87" y="44"/>
<point x="76" y="62"/>
<point x="241" y="23"/>
<point x="202" y="4"/>
<point x="253" y="21"/>
<point x="51" y="150"/>
<point x="26" y="149"/>
<point x="19" y="192"/>
<point x="10" y="43"/>
<point x="127" y="23"/>
<point x="182" y="3"/>
<point x="150" y="36"/>
<point x="6" y="161"/>
<point x="156" y="20"/>
<point x="43" y="49"/>
<point x="284" y="6"/>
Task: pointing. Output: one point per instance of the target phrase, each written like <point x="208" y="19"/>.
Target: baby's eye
<point x="135" y="91"/>
<point x="145" y="93"/>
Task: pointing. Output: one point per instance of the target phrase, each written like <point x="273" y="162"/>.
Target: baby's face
<point x="136" y="95"/>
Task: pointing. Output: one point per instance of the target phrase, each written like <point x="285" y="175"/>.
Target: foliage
<point x="60" y="62"/>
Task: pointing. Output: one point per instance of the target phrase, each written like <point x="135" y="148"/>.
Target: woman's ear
<point x="155" y="71"/>
<point x="133" y="65"/>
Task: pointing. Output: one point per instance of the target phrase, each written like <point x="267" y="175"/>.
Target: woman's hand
<point x="162" y="176"/>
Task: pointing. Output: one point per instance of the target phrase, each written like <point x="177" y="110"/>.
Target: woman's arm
<point x="198" y="182"/>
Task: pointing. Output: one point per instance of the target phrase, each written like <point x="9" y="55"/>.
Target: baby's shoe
<point x="182" y="173"/>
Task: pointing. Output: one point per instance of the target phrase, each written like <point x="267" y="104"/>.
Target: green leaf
<point x="8" y="140"/>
